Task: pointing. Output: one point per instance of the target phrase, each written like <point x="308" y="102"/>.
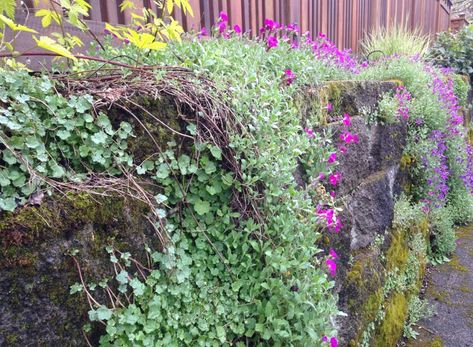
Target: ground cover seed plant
<point x="243" y="262"/>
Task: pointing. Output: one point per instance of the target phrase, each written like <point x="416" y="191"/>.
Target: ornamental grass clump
<point x="396" y="40"/>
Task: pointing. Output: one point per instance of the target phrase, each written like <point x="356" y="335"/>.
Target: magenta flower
<point x="332" y="158"/>
<point x="222" y="26"/>
<point x="333" y="341"/>
<point x="332" y="221"/>
<point x="336" y="226"/>
<point x="342" y="149"/>
<point x="289" y="76"/>
<point x="270" y="24"/>
<point x="335" y="178"/>
<point x="333" y="254"/>
<point x="348" y="137"/>
<point x="346" y="119"/>
<point x="332" y="266"/>
<point x="223" y="17"/>
<point x="329" y="107"/>
<point x="332" y="194"/>
<point x="321" y="176"/>
<point x="237" y="29"/>
<point x="272" y="41"/>
<point x="309" y="132"/>
<point x="203" y="32"/>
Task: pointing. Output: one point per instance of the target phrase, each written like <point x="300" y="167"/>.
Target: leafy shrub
<point x="460" y="204"/>
<point x="417" y="310"/>
<point x="455" y="50"/>
<point x="406" y="214"/>
<point x="443" y="243"/>
<point x="395" y="40"/>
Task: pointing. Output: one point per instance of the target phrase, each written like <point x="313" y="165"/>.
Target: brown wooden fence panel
<point x="344" y="21"/>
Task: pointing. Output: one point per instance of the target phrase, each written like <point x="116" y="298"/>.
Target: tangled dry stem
<point x="210" y="113"/>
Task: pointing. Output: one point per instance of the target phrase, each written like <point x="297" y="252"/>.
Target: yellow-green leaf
<point x="49" y="44"/>
<point x="127" y="4"/>
<point x="15" y="27"/>
<point x="8" y="7"/>
<point x="169" y="6"/>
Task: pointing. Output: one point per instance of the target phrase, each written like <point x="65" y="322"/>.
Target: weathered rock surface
<point x="372" y="178"/>
<point x="36" y="270"/>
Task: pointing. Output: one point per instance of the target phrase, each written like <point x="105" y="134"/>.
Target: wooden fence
<point x="344" y="21"/>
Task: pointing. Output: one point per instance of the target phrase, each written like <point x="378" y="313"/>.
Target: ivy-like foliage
<point x="45" y="135"/>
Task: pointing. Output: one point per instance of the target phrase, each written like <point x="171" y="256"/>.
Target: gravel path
<point x="450" y="290"/>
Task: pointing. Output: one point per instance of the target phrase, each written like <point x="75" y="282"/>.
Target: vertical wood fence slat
<point x="344" y="21"/>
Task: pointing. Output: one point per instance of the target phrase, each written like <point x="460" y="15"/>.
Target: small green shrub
<point x="406" y="214"/>
<point x="455" y="50"/>
<point x="460" y="204"/>
<point x="417" y="309"/>
<point x="443" y="243"/>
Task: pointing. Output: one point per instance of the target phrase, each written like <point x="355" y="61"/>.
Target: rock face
<point x="367" y="245"/>
<point x="36" y="270"/>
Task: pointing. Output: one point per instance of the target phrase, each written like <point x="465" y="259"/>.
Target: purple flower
<point x="332" y="158"/>
<point x="203" y="32"/>
<point x="329" y="107"/>
<point x="332" y="266"/>
<point x="309" y="132"/>
<point x="272" y="41"/>
<point x="237" y="29"/>
<point x="269" y="24"/>
<point x="403" y="97"/>
<point x="223" y="17"/>
<point x="333" y="254"/>
<point x="222" y="26"/>
<point x="289" y="76"/>
<point x="346" y="120"/>
<point x="335" y="178"/>
<point x="348" y="137"/>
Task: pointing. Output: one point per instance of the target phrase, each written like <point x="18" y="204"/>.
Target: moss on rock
<point x="36" y="272"/>
<point x="398" y="252"/>
<point x="390" y="329"/>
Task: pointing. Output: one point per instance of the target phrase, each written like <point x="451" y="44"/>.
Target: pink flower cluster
<point x="333" y="341"/>
<point x="273" y="33"/>
<point x="329" y="215"/>
<point x="332" y="220"/>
